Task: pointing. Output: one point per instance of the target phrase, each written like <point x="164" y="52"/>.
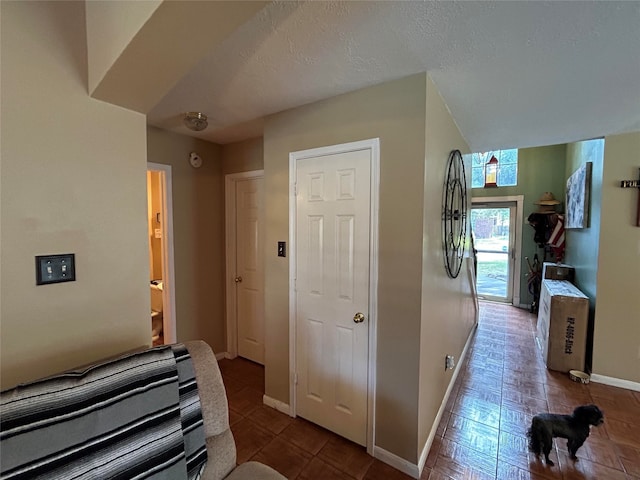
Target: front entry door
<point x="332" y="290"/>
<point x="493" y="226"/>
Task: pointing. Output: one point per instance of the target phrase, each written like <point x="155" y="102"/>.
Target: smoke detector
<point x="195" y="160"/>
<point x="195" y="121"/>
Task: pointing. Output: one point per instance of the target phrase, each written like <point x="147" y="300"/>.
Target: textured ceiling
<point x="513" y="74"/>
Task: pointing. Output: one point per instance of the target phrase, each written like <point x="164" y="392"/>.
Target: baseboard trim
<point x="396" y="462"/>
<point x="427" y="446"/>
<point x="221" y="355"/>
<point x="436" y="422"/>
<point x="615" y="382"/>
<point x="277" y="404"/>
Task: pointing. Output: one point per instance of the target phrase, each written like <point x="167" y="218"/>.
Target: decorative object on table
<point x="578" y="193"/>
<point x="454" y="214"/>
<point x="634" y="184"/>
<point x="558" y="271"/>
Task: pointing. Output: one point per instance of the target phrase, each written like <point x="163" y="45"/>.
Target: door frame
<point x="372" y="144"/>
<point x="231" y="313"/>
<point x="168" y="275"/>
<point x="519" y="201"/>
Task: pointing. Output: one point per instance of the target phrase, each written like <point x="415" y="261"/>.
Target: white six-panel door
<point x="332" y="288"/>
<point x="249" y="269"/>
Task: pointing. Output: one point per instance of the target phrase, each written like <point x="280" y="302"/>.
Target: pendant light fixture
<point x="491" y="173"/>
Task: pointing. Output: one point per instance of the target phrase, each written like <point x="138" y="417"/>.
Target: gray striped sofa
<point x="157" y="414"/>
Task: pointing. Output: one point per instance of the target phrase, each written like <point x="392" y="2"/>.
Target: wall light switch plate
<point x="282" y="249"/>
<point x="55" y="268"/>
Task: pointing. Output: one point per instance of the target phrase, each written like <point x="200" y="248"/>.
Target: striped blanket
<point x="190" y="413"/>
<point x="137" y="417"/>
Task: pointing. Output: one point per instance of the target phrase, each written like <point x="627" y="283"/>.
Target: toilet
<point x="156" y="312"/>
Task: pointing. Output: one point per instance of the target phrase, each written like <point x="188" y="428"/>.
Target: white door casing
<point x="334" y="239"/>
<point x="245" y="265"/>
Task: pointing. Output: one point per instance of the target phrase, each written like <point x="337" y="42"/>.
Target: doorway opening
<point x="161" y="267"/>
<point x="496" y="223"/>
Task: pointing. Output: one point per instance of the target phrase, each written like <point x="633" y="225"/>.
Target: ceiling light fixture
<point x="195" y="121"/>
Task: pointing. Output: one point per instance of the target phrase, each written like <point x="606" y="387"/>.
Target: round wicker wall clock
<point x="454" y="214"/>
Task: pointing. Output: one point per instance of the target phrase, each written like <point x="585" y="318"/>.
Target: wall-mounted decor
<point x="577" y="201"/>
<point x="454" y="214"/>
<point x="634" y="184"/>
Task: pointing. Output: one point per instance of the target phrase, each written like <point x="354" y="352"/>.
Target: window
<point x="507" y="167"/>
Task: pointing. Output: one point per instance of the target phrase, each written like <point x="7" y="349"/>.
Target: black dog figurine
<point x="575" y="428"/>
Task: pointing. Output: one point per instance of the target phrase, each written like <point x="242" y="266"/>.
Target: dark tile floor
<point x="502" y="383"/>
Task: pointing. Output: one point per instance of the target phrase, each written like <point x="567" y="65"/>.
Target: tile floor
<point x="502" y="383"/>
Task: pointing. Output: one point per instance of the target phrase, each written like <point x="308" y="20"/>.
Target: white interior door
<point x="332" y="291"/>
<point x="249" y="277"/>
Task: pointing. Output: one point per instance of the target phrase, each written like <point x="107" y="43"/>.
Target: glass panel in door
<point x="493" y="240"/>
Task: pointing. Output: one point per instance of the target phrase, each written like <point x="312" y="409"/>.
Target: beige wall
<point x="394" y="112"/>
<point x="243" y="156"/>
<point x="73" y="181"/>
<point x="173" y="39"/>
<point x="198" y="234"/>
<point x="110" y="28"/>
<point x="616" y="349"/>
<point x="448" y="307"/>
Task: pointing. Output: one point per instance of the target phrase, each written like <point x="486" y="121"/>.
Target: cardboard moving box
<point x="562" y="325"/>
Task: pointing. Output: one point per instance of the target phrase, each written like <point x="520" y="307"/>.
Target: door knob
<point x="358" y="317"/>
<point x="238" y="279"/>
